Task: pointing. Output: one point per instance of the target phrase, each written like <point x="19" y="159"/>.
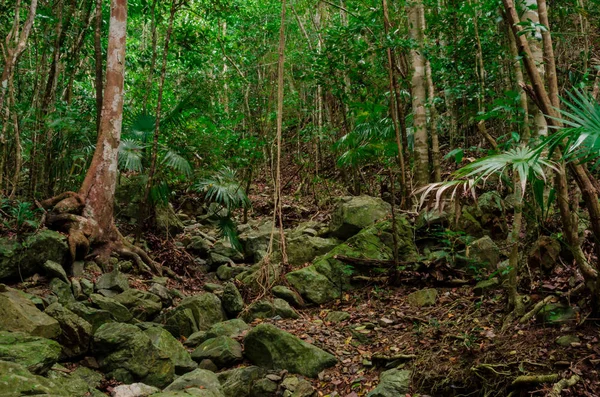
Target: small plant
<point x="21" y="215"/>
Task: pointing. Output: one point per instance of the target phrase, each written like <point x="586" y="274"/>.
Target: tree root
<point x="534" y="379"/>
<point x="536" y="309"/>
<point x="66" y="215"/>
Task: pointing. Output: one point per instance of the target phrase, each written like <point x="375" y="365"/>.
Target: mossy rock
<point x="119" y="312"/>
<point x="392" y="383"/>
<point x="352" y="214"/>
<point x="171" y="347"/>
<point x="19" y="314"/>
<point x="37" y="354"/>
<point x="233" y="303"/>
<point x="76" y="332"/>
<point x="222" y="350"/>
<point x="142" y="305"/>
<point x="198" y="378"/>
<point x="269" y="347"/>
<point x="96" y="317"/>
<point x="16" y="380"/>
<point x="241" y="382"/>
<point x="424" y="297"/>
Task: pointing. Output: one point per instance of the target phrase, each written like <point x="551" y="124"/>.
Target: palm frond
<point x="176" y="162"/>
<point x="228" y="230"/>
<point x="140" y="125"/>
<point x="223" y="188"/>
<point x="131" y="153"/>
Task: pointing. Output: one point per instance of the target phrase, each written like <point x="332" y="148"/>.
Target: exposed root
<point x="536" y="309"/>
<point x="563" y="384"/>
<point x="534" y="379"/>
<point x="66" y="215"/>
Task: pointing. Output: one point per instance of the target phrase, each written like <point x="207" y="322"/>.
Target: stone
<point x="76" y="332"/>
<point x="22" y="259"/>
<point x="215" y="260"/>
<point x="337" y="317"/>
<point x="222" y="351"/>
<point x="255" y="240"/>
<point x="167" y="221"/>
<point x="225" y="272"/>
<point x="269" y="347"/>
<point x="212" y="287"/>
<point x="240" y="382"/>
<point x="206" y="309"/>
<point x="192" y="391"/>
<point x="208" y="365"/>
<point x="567" y="340"/>
<point x="485" y="253"/>
<point x="198" y="378"/>
<point x="264" y="387"/>
<point x="328" y="277"/>
<point x="392" y="383"/>
<point x="423" y="297"/>
<point x="19" y="314"/>
<point x="80" y="382"/>
<point x="199" y="245"/>
<point x="303" y="248"/>
<point x="296" y="387"/>
<point x="36" y="353"/>
<point x="77" y="290"/>
<point x="143" y="305"/>
<point x="486" y="285"/>
<point x="134" y="390"/>
<point x="232" y="300"/>
<point x="181" y="322"/>
<point x="127" y="354"/>
<point x="283" y="309"/>
<point x="16" y="380"/>
<point x="53" y="269"/>
<point x="119" y="312"/>
<point x="224" y="248"/>
<point x="171" y="347"/>
<point x="87" y="287"/>
<point x="62" y="291"/>
<point x="96" y="317"/>
<point x="259" y="309"/>
<point x="162" y="292"/>
<point x="113" y="281"/>
<point x="544" y="253"/>
<point x="285" y="293"/>
<point x="352" y="214"/>
<point x="231" y="328"/>
<point x="556" y="314"/>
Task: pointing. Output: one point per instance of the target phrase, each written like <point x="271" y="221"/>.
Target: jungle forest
<point x="299" y="198"/>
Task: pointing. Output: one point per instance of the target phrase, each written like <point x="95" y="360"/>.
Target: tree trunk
<point x="419" y="95"/>
<point x="98" y="57"/>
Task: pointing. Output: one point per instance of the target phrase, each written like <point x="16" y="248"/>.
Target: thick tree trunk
<point x="98" y="58"/>
<point x="419" y="95"/>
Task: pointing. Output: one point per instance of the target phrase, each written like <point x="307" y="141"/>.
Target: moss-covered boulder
<point x="231" y="328"/>
<point x="81" y="382"/>
<point x="485" y="253"/>
<point x="329" y="276"/>
<point x="118" y="312"/>
<point x="143" y="305"/>
<point x="171" y="347"/>
<point x="303" y="248"/>
<point x="222" y="351"/>
<point x="556" y="314"/>
<point x="35" y="353"/>
<point x="288" y="295"/>
<point x="22" y="259"/>
<point x="423" y="297"/>
<point x="392" y="383"/>
<point x="16" y="380"/>
<point x="96" y="317"/>
<point x="195" y="313"/>
<point x="76" y="332"/>
<point x="53" y="269"/>
<point x="352" y="214"/>
<point x="242" y="382"/>
<point x="232" y="300"/>
<point x="268" y="346"/>
<point x="200" y="379"/>
<point x="126" y="353"/>
<point x="113" y="281"/>
<point x="18" y="313"/>
<point x="61" y="291"/>
<point x="544" y="253"/>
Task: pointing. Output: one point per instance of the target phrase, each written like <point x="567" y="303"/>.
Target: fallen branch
<point x="534" y="379"/>
<point x="536" y="309"/>
<point x="563" y="384"/>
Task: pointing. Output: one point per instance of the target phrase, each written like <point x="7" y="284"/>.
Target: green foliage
<point x="21" y="215"/>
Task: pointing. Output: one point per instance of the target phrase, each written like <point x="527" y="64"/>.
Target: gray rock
<point x="143" y="305"/>
<point x="134" y="390"/>
<point x="392" y="383"/>
<point x="162" y="292"/>
<point x="96" y="317"/>
<point x="240" y="382"/>
<point x="283" y="309"/>
<point x="269" y="347"/>
<point x="198" y="378"/>
<point x="231" y="328"/>
<point x="62" y="291"/>
<point x="215" y="260"/>
<point x="87" y="287"/>
<point x="337" y="317"/>
<point x="485" y="253"/>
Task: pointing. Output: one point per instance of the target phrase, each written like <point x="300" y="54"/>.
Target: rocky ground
<point x="236" y="323"/>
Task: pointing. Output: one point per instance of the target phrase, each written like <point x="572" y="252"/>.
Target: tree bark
<point x="99" y="78"/>
<point x="419" y="95"/>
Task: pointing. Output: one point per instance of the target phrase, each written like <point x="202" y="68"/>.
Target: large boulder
<point x="485" y="253"/>
<point x="195" y="313"/>
<point x="143" y="305"/>
<point x="304" y="248"/>
<point x="22" y="259"/>
<point x="329" y="276"/>
<point x="267" y="309"/>
<point x="127" y="354"/>
<point x="392" y="383"/>
<point x="76" y="332"/>
<point x="81" y="382"/>
<point x="171" y="347"/>
<point x="268" y="346"/>
<point x="16" y="380"/>
<point x="353" y="214"/>
<point x="222" y="351"/>
<point x="35" y="353"/>
<point x="18" y="313"/>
